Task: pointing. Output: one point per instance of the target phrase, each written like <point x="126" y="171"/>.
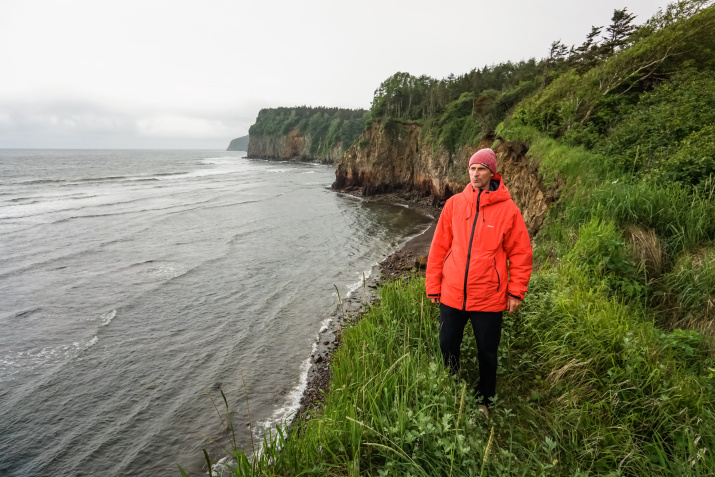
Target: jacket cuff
<point x="434" y="295"/>
<point x="515" y="296"/>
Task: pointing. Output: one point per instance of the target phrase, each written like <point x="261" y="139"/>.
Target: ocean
<point x="136" y="283"/>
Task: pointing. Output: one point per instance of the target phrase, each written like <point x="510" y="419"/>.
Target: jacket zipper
<point x="469" y="253"/>
<point x="498" y="277"/>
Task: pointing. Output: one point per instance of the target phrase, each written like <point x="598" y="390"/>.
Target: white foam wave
<point x="286" y="413"/>
<point x="359" y="284"/>
<point x="323" y="327"/>
<point x="218" y="160"/>
<point x="107" y="318"/>
<point x="166" y="271"/>
<point x="32" y="359"/>
<point x="90" y="343"/>
<point x="345" y="194"/>
<point x="426" y="228"/>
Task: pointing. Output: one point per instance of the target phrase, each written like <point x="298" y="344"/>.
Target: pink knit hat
<point x="485" y="157"/>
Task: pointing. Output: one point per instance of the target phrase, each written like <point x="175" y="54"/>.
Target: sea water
<point x="134" y="284"/>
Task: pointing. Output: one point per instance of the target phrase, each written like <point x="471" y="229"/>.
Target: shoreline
<point x="408" y="259"/>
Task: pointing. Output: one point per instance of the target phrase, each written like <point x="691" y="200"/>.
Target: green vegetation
<point x="327" y="128"/>
<point x="588" y="386"/>
<point x="609" y="367"/>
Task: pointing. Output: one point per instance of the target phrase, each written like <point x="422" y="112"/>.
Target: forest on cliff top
<point x="327" y="127"/>
<point x="609" y="366"/>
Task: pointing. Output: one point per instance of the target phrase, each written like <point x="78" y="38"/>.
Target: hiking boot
<point x="483" y="409"/>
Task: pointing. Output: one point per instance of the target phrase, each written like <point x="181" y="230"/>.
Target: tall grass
<point x="587" y="386"/>
<point x="689" y="290"/>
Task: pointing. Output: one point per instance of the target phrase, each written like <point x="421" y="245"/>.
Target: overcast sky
<point x="194" y="74"/>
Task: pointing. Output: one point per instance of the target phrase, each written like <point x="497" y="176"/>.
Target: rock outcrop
<point x="392" y="156"/>
<point x="290" y="147"/>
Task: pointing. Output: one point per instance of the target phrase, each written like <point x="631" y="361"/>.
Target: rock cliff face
<point x="391" y="156"/>
<point x="290" y="147"/>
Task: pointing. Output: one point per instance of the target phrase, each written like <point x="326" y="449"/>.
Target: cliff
<point x="391" y="156"/>
<point x="291" y="147"/>
<point x="304" y="133"/>
<point x="239" y="144"/>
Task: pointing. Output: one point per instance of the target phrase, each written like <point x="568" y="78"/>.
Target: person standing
<point x="479" y="266"/>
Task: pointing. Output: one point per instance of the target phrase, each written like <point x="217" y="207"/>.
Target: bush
<point x="601" y="251"/>
<point x="693" y="163"/>
<point x="676" y="111"/>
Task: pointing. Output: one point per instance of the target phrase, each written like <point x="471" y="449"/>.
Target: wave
<point x="410" y="237"/>
<point x="286" y="413"/>
<point x="13" y="364"/>
<point x="218" y="160"/>
<point x="20" y="199"/>
<point x="106" y="318"/>
<point x="164" y="174"/>
<point x="359" y="284"/>
<point x="41" y="181"/>
<point x="99" y="179"/>
<point x="29" y="312"/>
<point x="89" y="344"/>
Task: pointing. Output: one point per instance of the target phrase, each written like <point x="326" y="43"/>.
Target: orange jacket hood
<point x="476" y="234"/>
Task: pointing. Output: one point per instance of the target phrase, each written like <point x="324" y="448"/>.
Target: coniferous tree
<point x="585" y="56"/>
<point x="618" y="32"/>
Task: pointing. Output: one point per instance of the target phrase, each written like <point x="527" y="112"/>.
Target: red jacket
<point x="476" y="234"/>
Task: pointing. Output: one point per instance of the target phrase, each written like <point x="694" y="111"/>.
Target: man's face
<point x="479" y="176"/>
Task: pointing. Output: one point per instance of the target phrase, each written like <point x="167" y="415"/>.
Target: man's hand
<point x="434" y="300"/>
<point x="513" y="304"/>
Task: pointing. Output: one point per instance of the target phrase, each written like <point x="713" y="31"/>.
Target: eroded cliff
<point x="392" y="156"/>
<point x="291" y="147"/>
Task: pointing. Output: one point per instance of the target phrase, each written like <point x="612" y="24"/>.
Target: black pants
<point x="487" y="331"/>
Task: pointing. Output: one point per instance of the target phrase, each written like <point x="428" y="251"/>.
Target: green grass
<point x="587" y="386"/>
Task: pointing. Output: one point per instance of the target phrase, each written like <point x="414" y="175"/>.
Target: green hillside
<point x="609" y="367"/>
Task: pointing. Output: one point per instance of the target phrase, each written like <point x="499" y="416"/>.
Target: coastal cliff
<point x="391" y="156"/>
<point x="293" y="146"/>
<point x="304" y="133"/>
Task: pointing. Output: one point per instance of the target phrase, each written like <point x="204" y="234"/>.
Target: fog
<point x="190" y="74"/>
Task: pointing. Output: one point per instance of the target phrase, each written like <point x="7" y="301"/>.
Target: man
<point x="479" y="265"/>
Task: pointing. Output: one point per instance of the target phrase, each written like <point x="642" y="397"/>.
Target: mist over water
<point x="133" y="281"/>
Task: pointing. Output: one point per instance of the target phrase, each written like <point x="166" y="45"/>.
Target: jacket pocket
<point x="445" y="259"/>
<point x="497" y="272"/>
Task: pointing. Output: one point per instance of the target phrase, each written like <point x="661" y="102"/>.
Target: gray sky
<point x="193" y="74"/>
